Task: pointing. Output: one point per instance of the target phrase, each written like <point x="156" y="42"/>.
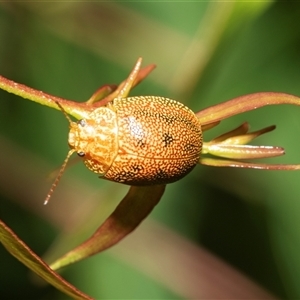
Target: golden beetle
<point x="139" y="140"/>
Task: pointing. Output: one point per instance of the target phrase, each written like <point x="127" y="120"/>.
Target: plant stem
<point x="77" y="110"/>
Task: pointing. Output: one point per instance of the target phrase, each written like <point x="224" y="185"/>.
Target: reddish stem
<point x="242" y="104"/>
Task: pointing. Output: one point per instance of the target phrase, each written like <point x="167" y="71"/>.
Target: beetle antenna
<point x="63" y="167"/>
<point x="60" y="173"/>
<point x="64" y="112"/>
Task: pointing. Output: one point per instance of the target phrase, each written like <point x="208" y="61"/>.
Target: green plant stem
<point x="75" y="109"/>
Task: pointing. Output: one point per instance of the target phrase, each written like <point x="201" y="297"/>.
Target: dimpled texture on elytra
<point x="159" y="141"/>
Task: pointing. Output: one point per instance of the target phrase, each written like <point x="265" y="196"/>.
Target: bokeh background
<point x="212" y="228"/>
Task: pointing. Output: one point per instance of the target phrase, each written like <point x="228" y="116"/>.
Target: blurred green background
<point x="206" y="53"/>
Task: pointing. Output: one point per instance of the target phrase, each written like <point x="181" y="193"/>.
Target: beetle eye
<point x="81" y="153"/>
<point x="82" y="122"/>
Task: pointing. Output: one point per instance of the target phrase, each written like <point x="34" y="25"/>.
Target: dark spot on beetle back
<point x="167" y="139"/>
<point x="141" y="143"/>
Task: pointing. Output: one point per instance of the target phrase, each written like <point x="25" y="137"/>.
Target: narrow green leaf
<point x="242" y="129"/>
<point x="16" y="247"/>
<point x="136" y="206"/>
<point x="244" y="151"/>
<point x="246" y="138"/>
<point x="215" y="162"/>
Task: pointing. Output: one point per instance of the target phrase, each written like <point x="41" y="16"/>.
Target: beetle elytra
<point x="139" y="140"/>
